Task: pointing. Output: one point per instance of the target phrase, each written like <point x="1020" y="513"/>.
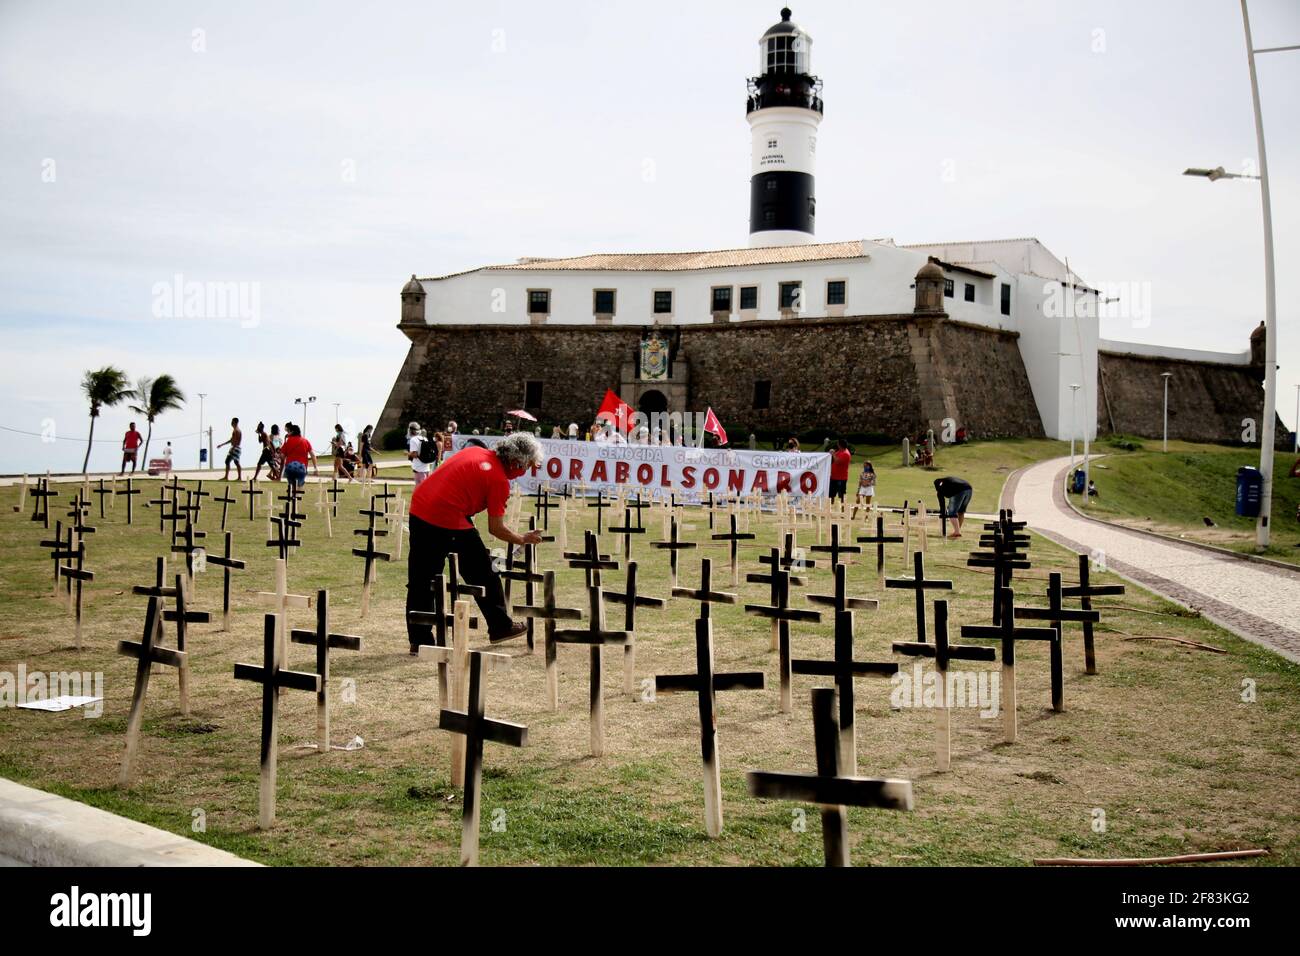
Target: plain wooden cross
<point x="77" y="572"/>
<point x="829" y="787"/>
<point x="596" y="637"/>
<point x="22" y="496"/>
<point x="1008" y="633"/>
<point x="473" y="728"/>
<point x="845" y="670"/>
<point x="782" y="613"/>
<point x="673" y="545"/>
<point x="550" y="613"/>
<point x="370" y="555"/>
<point x="273" y="677"/>
<point x="130" y="493"/>
<point x="251" y="492"/>
<point x="227" y="563"/>
<point x="183" y="618"/>
<point x="706" y="683"/>
<point x="880" y="539"/>
<point x="835" y="549"/>
<point x="147" y="652"/>
<point x="324" y="642"/>
<point x="225" y="501"/>
<point x="600" y="504"/>
<point x="440" y="621"/>
<point x="591" y="560"/>
<point x="943" y="652"/>
<point x="705" y="593"/>
<point x="41" y="507"/>
<point x="1085" y="591"/>
<point x="631" y="600"/>
<point x="627" y="531"/>
<point x="919" y="584"/>
<point x="1056" y="615"/>
<point x="733" y="539"/>
<point x="282" y="601"/>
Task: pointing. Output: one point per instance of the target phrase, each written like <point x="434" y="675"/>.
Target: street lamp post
<point x="304" y="402"/>
<point x="1268" y="430"/>
<point x="1074" y="420"/>
<point x="1165" y="443"/>
<point x="1295" y="430"/>
<point x="202" y="396"/>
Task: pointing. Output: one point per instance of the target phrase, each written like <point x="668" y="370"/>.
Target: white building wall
<point x="1058" y="350"/>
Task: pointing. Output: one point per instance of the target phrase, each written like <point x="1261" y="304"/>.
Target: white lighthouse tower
<point x="784" y="111"/>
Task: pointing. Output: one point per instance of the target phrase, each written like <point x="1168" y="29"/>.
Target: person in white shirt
<point x="414" y="442"/>
<point x="573" y="431"/>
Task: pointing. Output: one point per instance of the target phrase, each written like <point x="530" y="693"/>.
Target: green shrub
<point x="393" y="440"/>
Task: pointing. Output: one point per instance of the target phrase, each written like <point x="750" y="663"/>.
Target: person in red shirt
<point x="841" y="459"/>
<point x="296" y="451"/>
<point x="472" y="480"/>
<point x="131" y="443"/>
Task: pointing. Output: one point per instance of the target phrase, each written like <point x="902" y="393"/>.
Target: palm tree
<point x="107" y="386"/>
<point x="157" y="395"/>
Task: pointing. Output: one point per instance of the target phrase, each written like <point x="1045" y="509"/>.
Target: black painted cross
<point x="919" y="584"/>
<point x="550" y="613"/>
<point x="835" y="549"/>
<point x="475" y="728"/>
<point x="60" y="551"/>
<point x="705" y="593"/>
<point x="673" y="545"/>
<point x="600" y="504"/>
<point x="184" y="618"/>
<point x="370" y="555"/>
<point x="282" y="541"/>
<point x="158" y="589"/>
<point x="41" y="506"/>
<point x="334" y="491"/>
<point x="77" y="572"/>
<point x="792" y="559"/>
<point x="773" y="560"/>
<point x="1004" y="559"/>
<point x="147" y="652"/>
<point x="225" y="501"/>
<point x="273" y="677"/>
<point x="880" y="539"/>
<point x="706" y="683"/>
<point x="591" y="560"/>
<point x="781" y="612"/>
<point x="130" y="493"/>
<point x="942" y="652"/>
<point x="543" y="506"/>
<point x="323" y="641"/>
<point x="840" y="600"/>
<point x="162" y="501"/>
<point x="227" y="562"/>
<point x="1086" y="591"/>
<point x="828" y="786"/>
<point x="638" y="505"/>
<point x="1008" y="633"/>
<point x="251" y="492"/>
<point x="527" y="574"/>
<point x="631" y="600"/>
<point x="627" y="531"/>
<point x="189" y="548"/>
<point x="596" y="637"/>
<point x="280" y="600"/>
<point x="101" y="490"/>
<point x="845" y="670"/>
<point x="1056" y="615"/>
<point x="733" y="539"/>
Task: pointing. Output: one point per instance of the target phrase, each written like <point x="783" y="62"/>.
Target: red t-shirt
<point x="462" y="486"/>
<point x="132" y="440"/>
<point x="296" y="448"/>
<point x="840" y="462"/>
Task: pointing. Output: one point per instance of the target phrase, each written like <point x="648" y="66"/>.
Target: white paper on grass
<point x="57" y="704"/>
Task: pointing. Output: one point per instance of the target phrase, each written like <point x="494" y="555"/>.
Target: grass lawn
<point x="1160" y="740"/>
<point x="1174" y="492"/>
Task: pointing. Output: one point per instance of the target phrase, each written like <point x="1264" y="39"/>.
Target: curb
<point x="43" y="829"/>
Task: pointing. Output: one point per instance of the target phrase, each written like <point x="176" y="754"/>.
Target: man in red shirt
<point x="131" y="443"/>
<point x="474" y="479"/>
<point x="841" y="458"/>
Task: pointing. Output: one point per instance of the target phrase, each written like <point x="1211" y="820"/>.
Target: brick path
<point x="1256" y="601"/>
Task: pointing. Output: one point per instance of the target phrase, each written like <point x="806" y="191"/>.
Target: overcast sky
<point x="322" y="152"/>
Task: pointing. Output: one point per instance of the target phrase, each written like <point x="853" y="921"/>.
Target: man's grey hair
<point x="520" y="451"/>
<point x="413" y="428"/>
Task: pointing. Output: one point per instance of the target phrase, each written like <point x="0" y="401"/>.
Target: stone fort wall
<point x="894" y="375"/>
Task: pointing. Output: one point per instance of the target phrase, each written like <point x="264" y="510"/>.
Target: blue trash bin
<point x="1079" y="479"/>
<point x="1250" y="491"/>
<point x="203" y="456"/>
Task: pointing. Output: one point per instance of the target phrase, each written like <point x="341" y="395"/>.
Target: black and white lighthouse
<point x="784" y="111"/>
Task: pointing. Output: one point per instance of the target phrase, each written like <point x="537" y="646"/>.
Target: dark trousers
<point x="838" y="488"/>
<point x="426" y="558"/>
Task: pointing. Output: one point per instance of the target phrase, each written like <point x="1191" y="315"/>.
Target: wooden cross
<point x="130" y="493"/>
<point x="527" y="574"/>
<point x="1056" y="616"/>
<point x="943" y="652"/>
<point x="550" y="613"/>
<point x="101" y="490"/>
<point x="845" y="669"/>
<point x="734" y="538"/>
<point x="60" y="551"/>
<point x="1008" y="634"/>
<point x="591" y="560"/>
<point x="159" y="589"/>
<point x="183" y="617"/>
<point x="637" y="505"/>
<point x="543" y="506"/>
<point x="273" y="678"/>
<point x="226" y="501"/>
<point x="323" y="641"/>
<point x="1004" y="559"/>
<point x="596" y="637"/>
<point x="227" y="563"/>
<point x="77" y="572"/>
<point x="370" y="555"/>
<point x="627" y="531"/>
<point x="162" y="501"/>
<point x="334" y="491"/>
<point x="282" y="601"/>
<point x="828" y="786"/>
<point x="291" y="516"/>
<point x="189" y="548"/>
<point x="705" y="593"/>
<point x="840" y="600"/>
<point x="789" y="561"/>
<point x="880" y="539"/>
<point x="22" y="495"/>
<point x="774" y="582"/>
<point x="147" y="652"/>
<point x="1086" y="591"/>
<point x="631" y="600"/>
<point x="711" y="510"/>
<point x="835" y="549"/>
<point x="672" y="546"/>
<point x="439" y="620"/>
<point x="781" y="612"/>
<point x="457" y="589"/>
<point x="600" y="504"/>
<point x="282" y="541"/>
<point x="251" y="492"/>
<point x="474" y="728"/>
<point x="706" y="683"/>
<point x="385" y="497"/>
<point x="919" y="584"/>
<point x="41" y="507"/>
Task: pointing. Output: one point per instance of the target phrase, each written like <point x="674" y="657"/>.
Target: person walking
<point x="131" y="443"/>
<point x="265" y="453"/>
<point x="956" y="493"/>
<point x="338" y="449"/>
<point x="366" y="453"/>
<point x="235" y="440"/>
<point x="475" y="479"/>
<point x="866" y="487"/>
<point x="841" y="461"/>
<point x="297" y="453"/>
<point x="417" y="453"/>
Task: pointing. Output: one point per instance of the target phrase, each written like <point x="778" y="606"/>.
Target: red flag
<point x="714" y="427"/>
<point x="616" y="410"/>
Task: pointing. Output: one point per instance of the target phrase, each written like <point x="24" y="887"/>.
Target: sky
<point x="317" y="154"/>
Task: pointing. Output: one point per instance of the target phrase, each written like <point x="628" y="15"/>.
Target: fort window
<point x="604" y="302"/>
<point x="970" y="292"/>
<point x="1006" y="299"/>
<point x="762" y="395"/>
<point x="663" y="302"/>
<point x="532" y="395"/>
<point x="791" y="296"/>
<point x="722" y="298"/>
<point x="749" y="297"/>
<point x="539" y="301"/>
<point x="835" y="292"/>
<point x="947" y="288"/>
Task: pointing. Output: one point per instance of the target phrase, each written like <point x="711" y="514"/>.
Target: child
<point x="866" y="487"/>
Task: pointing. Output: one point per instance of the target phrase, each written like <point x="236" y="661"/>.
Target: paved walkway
<point x="1256" y="601"/>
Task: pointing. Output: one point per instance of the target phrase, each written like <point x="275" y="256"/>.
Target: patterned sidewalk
<point x="1258" y="602"/>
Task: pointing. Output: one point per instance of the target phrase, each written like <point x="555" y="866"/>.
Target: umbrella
<point x="520" y="413"/>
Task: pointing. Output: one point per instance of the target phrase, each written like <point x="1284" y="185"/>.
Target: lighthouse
<point x="784" y="111"/>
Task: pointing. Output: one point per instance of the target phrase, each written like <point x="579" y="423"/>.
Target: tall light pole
<point x="1295" y="429"/>
<point x="1270" y="287"/>
<point x="202" y="396"/>
<point x="1165" y="443"/>
<point x="304" y="402"/>
<point x="1074" y="420"/>
<point x="337" y="405"/>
